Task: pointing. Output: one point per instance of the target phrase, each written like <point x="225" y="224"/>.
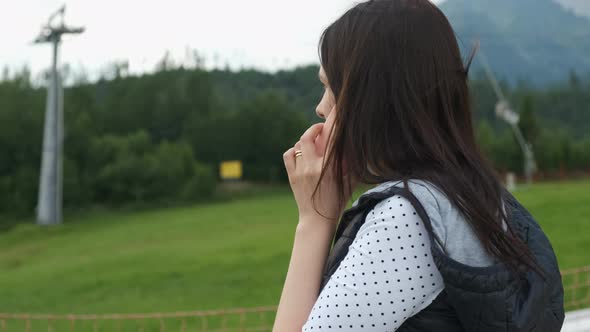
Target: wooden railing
<point x="259" y="319"/>
<point x="576" y="284"/>
<point x="227" y="320"/>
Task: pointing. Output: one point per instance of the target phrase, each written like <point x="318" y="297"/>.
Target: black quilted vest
<point x="482" y="299"/>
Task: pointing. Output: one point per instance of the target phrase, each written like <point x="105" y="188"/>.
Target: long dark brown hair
<point x="404" y="110"/>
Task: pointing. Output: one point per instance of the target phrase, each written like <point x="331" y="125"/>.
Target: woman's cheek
<point x="325" y="134"/>
<point x="322" y="141"/>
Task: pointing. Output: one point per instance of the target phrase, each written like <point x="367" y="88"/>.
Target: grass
<point x="220" y="255"/>
<point x="563" y="211"/>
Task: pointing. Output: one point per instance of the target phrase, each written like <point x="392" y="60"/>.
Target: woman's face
<point x="325" y="110"/>
<point x="325" y="106"/>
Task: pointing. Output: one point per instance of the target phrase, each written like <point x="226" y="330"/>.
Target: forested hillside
<point x="160" y="137"/>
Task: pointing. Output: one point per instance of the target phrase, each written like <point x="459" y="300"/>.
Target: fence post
<point x="183" y="325"/>
<point x="162" y="326"/>
<point x="204" y="324"/>
<point x="242" y="321"/>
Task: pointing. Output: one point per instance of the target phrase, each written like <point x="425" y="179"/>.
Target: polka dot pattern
<point x="387" y="276"/>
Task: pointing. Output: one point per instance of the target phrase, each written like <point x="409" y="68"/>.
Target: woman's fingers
<point x="308" y="138"/>
<point x="289" y="159"/>
<point x="306" y="143"/>
<point x="298" y="145"/>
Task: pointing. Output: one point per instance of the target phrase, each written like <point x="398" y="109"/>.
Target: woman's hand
<point x="304" y="173"/>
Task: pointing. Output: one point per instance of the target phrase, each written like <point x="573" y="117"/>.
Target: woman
<point x="397" y="114"/>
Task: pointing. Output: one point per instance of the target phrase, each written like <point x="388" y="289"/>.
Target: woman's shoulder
<point x="433" y="200"/>
<point x="448" y="223"/>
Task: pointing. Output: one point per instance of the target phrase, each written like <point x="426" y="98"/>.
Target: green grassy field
<point x="222" y="255"/>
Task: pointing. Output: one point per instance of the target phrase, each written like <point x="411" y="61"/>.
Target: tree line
<point x="160" y="137"/>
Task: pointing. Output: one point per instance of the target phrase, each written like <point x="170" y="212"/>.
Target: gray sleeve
<point x="460" y="241"/>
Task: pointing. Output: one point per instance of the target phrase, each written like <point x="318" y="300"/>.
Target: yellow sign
<point x="231" y="169"/>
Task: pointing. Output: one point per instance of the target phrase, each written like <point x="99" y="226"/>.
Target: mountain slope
<point x="534" y="40"/>
<point x="580" y="7"/>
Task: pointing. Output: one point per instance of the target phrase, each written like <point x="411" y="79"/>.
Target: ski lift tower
<point x="49" y="206"/>
<point x="505" y="112"/>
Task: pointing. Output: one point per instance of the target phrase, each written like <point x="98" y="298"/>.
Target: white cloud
<point x="267" y="34"/>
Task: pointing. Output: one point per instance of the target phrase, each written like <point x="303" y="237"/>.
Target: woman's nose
<point x="319" y="114"/>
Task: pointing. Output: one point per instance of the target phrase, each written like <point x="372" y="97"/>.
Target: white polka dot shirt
<point x="387" y="276"/>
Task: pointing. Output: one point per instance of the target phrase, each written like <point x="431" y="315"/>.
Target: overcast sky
<point x="265" y="34"/>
